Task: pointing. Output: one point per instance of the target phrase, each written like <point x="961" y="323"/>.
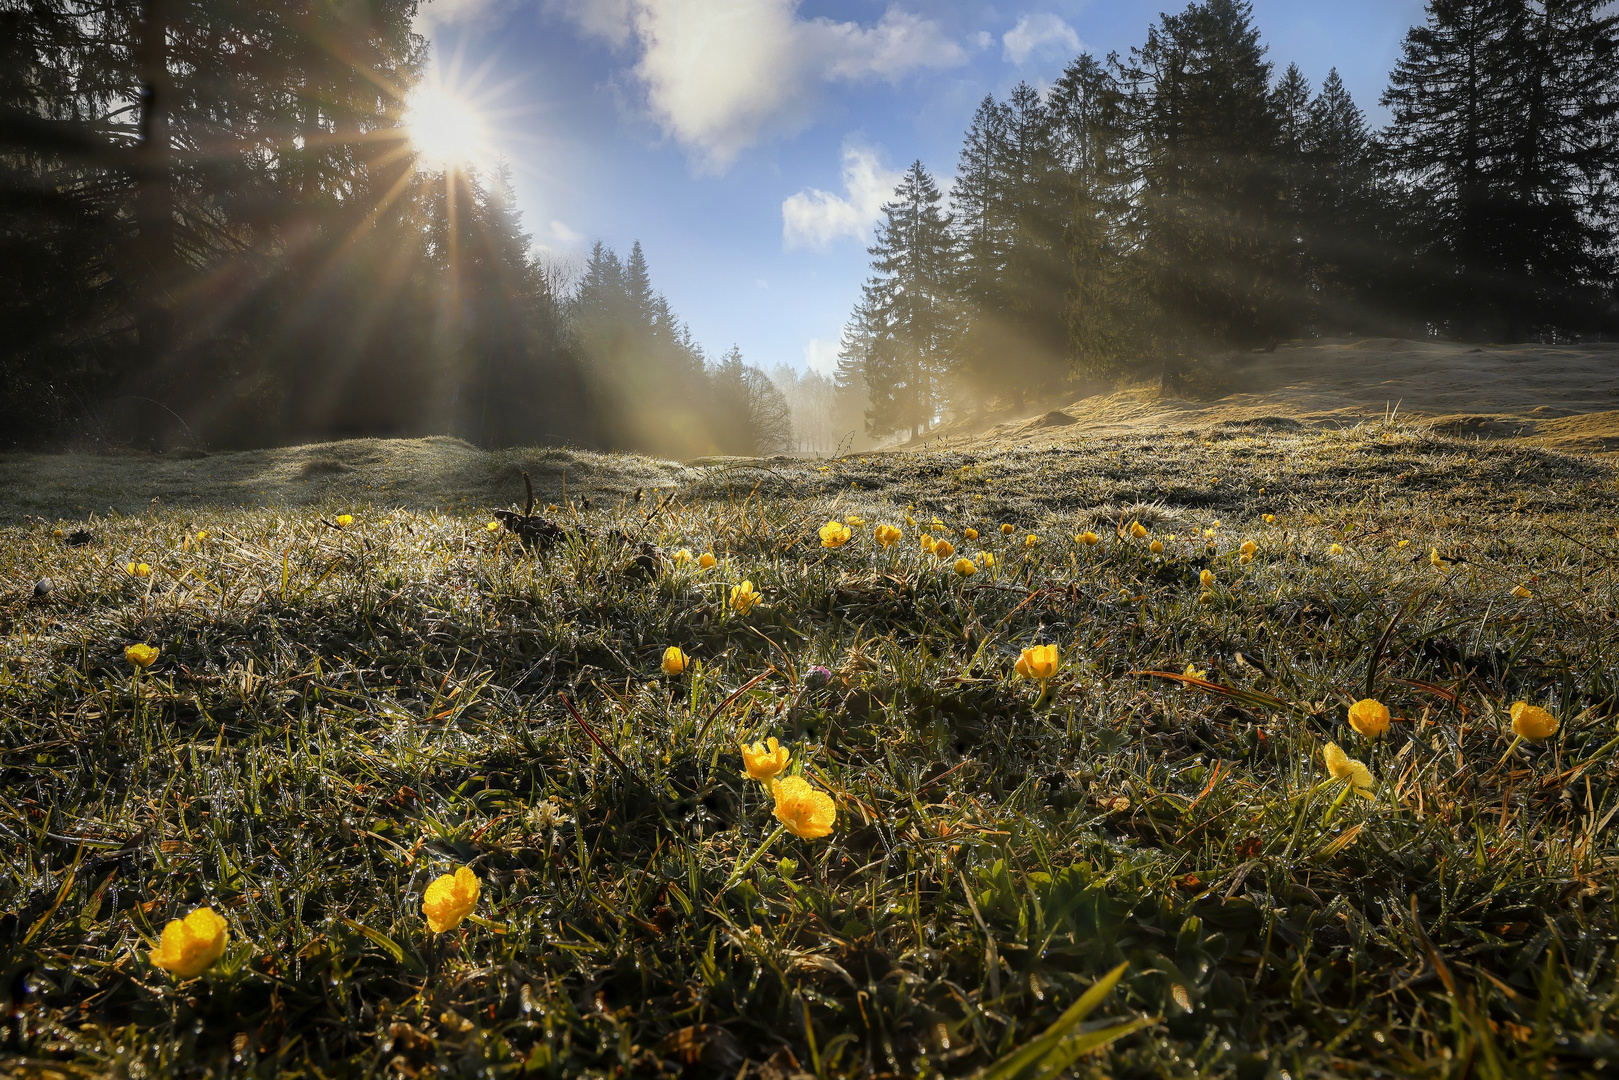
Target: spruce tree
<point x="909" y="305"/>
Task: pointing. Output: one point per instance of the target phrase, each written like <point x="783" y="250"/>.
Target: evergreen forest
<point x="1187" y="200"/>
<point x="213" y="231"/>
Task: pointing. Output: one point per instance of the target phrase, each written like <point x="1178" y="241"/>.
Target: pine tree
<point x="1341" y="214"/>
<point x="909" y="309"/>
<point x="1203" y="135"/>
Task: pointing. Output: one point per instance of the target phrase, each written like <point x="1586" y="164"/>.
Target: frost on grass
<point x="336" y="716"/>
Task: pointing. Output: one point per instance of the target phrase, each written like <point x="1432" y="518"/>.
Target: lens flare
<point x="447" y="130"/>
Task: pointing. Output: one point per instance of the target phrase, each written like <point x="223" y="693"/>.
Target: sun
<point x="447" y="130"/>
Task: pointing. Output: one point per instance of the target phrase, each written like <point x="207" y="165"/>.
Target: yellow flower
<point x="1031" y="541"/>
<point x="806" y="811"/>
<point x="1522" y="592"/>
<point x="493" y="526"/>
<point x="1369" y="717"/>
<point x="190" y="946"/>
<point x="1270" y="519"/>
<point x="1206" y="599"/>
<point x="970" y="534"/>
<point x="450" y="899"/>
<point x="706" y="560"/>
<point x="675" y="661"/>
<point x="1336" y="549"/>
<point x="142" y="656"/>
<point x="887" y="535"/>
<point x="345" y="520"/>
<point x="1435" y="561"/>
<point x="1206" y="579"/>
<point x="1532" y="722"/>
<point x="909" y="520"/>
<point x="987" y="558"/>
<point x="743" y="597"/>
<point x="1197" y="672"/>
<point x="1249" y="548"/>
<point x="834" y="534"/>
<point x="943" y="549"/>
<point x="853" y="521"/>
<point x="1214" y="525"/>
<point x="1345" y="768"/>
<point x="1156" y="547"/>
<point x="965" y="567"/>
<point x="139" y="570"/>
<point x="927" y="542"/>
<point x="1137" y="529"/>
<point x="682" y="557"/>
<point x="1038" y="662"/>
<point x="764" y="761"/>
<point x="201" y="536"/>
<point x="1087" y="538"/>
<point x="1403" y="544"/>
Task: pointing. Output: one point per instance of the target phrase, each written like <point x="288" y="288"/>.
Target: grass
<point x="339" y="715"/>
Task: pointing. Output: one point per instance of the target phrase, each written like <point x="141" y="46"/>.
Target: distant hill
<point x="1563" y="397"/>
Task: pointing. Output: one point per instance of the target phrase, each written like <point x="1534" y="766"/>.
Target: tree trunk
<point x="154" y="187"/>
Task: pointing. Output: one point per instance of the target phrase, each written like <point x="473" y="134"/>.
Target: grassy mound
<point x="342" y="712"/>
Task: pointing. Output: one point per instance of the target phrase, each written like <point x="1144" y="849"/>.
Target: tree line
<point x="1153" y="209"/>
<point x="214" y="230"/>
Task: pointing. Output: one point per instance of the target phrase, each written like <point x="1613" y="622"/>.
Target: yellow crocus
<point x="1037" y="662"/>
<point x="969" y="534"/>
<point x="345" y="520"/>
<point x="139" y="570"/>
<point x="887" y="535"/>
<point x="706" y="560"/>
<point x="682" y="556"/>
<point x="765" y="761"/>
<point x="743" y="597"/>
<point x="142" y="656"/>
<point x="1156" y="547"/>
<point x="1087" y="538"/>
<point x="966" y="567"/>
<point x="1336" y="549"/>
<point x="1522" y="592"/>
<point x="1031" y="541"/>
<point x="1347" y="769"/>
<point x="450" y="899"/>
<point x="987" y="558"/>
<point x="1206" y="579"/>
<point x="807" y="812"/>
<point x="943" y="549"/>
<point x="1369" y="717"/>
<point x="192" y="945"/>
<point x="1006" y="529"/>
<point x="1137" y="530"/>
<point x="675" y="661"/>
<point x="834" y="534"/>
<point x="1531" y="722"/>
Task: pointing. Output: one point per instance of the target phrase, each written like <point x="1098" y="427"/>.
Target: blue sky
<point x="748" y="143"/>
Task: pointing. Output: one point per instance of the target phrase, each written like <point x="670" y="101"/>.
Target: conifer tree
<point x="909" y="309"/>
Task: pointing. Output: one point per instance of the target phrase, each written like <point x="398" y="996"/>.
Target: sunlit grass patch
<point x="338" y="714"/>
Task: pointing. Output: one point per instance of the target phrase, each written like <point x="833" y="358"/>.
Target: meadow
<point x="1136" y="863"/>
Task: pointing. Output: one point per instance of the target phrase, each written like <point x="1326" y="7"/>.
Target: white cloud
<point x="821" y="355"/>
<point x="814" y="218"/>
<point x="723" y="75"/>
<point x="566" y="236"/>
<point x="445" y="13"/>
<point x="610" y="20"/>
<point x="1042" y="33"/>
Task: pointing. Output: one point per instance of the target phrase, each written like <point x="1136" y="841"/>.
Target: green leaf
<point x="1030" y="1060"/>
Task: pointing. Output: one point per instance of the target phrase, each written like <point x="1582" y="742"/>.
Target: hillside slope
<point x="1563" y="397"/>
